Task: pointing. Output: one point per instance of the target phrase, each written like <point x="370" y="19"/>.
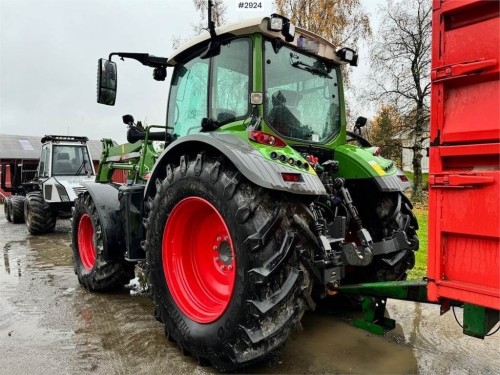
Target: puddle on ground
<point x="49" y="324"/>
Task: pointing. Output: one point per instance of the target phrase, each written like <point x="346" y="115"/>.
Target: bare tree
<point x="341" y="22"/>
<point x="400" y="73"/>
<point x="218" y="17"/>
<point x="218" y="10"/>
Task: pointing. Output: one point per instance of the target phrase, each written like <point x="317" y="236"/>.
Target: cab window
<point x="43" y="168"/>
<point x="228" y="74"/>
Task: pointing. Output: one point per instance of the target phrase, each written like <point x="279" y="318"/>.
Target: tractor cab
<point x="64" y="159"/>
<point x="65" y="163"/>
<point x="263" y="73"/>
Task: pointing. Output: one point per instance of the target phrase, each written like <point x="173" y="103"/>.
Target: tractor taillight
<point x="266" y="139"/>
<point x="377" y="151"/>
<point x="292" y="177"/>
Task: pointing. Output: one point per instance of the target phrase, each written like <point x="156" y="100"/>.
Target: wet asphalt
<point x="49" y="324"/>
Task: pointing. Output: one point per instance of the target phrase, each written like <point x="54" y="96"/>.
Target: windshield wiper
<point x="82" y="166"/>
<point x="310" y="69"/>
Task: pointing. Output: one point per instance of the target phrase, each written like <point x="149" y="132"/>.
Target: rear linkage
<point x="333" y="252"/>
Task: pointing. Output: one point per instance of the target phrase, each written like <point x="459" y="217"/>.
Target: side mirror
<point x="106" y="82"/>
<point x="360" y="122"/>
<point x="128" y="119"/>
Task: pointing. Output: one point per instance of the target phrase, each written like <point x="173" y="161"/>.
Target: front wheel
<point x="383" y="214"/>
<point x="94" y="273"/>
<point x="39" y="218"/>
<point x="224" y="267"/>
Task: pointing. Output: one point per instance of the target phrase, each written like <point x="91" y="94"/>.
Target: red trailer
<point x="464" y="180"/>
<point x="464" y="197"/>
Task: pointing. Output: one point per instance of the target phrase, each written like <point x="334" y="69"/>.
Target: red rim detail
<point x="86" y="242"/>
<point x="198" y="260"/>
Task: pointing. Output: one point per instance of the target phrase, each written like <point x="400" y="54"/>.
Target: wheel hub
<point x="224" y="255"/>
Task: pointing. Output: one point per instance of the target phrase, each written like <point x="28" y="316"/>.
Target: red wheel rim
<point x="198" y="260"/>
<point x="86" y="242"/>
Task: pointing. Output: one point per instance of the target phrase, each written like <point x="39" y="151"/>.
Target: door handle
<point x="459" y="181"/>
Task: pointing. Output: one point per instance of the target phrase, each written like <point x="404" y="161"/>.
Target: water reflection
<point x="12" y="258"/>
<point x="6" y="262"/>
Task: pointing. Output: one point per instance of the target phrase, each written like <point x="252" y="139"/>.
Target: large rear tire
<point x="94" y="273"/>
<point x="39" y="218"/>
<point x="224" y="269"/>
<point x="17" y="209"/>
<point x="7" y="209"/>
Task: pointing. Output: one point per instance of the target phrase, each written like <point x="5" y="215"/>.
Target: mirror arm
<point x="143" y="58"/>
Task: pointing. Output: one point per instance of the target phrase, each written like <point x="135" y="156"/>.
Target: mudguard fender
<point x="107" y="204"/>
<point x="250" y="162"/>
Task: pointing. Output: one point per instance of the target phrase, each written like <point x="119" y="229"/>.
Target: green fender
<point x="251" y="160"/>
<point x="360" y="163"/>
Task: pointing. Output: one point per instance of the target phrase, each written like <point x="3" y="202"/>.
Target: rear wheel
<point x="383" y="214"/>
<point x="39" y="218"/>
<point x="7" y="209"/>
<point x="94" y="273"/>
<point x="224" y="268"/>
<point x="17" y="209"/>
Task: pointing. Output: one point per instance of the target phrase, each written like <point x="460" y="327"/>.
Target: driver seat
<point x="283" y="118"/>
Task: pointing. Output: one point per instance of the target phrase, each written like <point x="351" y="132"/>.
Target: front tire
<point x="17" y="209"/>
<point x="394" y="213"/>
<point x="39" y="218"/>
<point x="224" y="268"/>
<point x="383" y="214"/>
<point x="94" y="273"/>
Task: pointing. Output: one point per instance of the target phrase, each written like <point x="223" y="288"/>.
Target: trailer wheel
<point x="17" y="209"/>
<point x="39" y="217"/>
<point x="7" y="209"/>
<point x="94" y="273"/>
<point x="224" y="269"/>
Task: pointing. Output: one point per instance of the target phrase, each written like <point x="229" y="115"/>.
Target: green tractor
<point x="258" y="208"/>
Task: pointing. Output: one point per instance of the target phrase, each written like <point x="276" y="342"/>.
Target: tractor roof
<point x="304" y="39"/>
<point x="64" y="138"/>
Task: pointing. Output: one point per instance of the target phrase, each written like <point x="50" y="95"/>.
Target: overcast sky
<point x="48" y="61"/>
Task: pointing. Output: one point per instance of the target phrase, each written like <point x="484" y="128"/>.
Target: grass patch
<point x="425" y="178"/>
<point x="420" y="269"/>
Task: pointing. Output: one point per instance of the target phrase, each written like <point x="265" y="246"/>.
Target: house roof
<point x="28" y="147"/>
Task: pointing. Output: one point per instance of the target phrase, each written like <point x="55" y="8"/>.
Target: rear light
<point x="292" y="177"/>
<point x="312" y="159"/>
<point x="377" y="151"/>
<point x="266" y="139"/>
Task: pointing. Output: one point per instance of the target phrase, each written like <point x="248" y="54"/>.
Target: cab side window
<point x="231" y="81"/>
<point x="228" y="75"/>
<point x="188" y="97"/>
<point x="43" y="168"/>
